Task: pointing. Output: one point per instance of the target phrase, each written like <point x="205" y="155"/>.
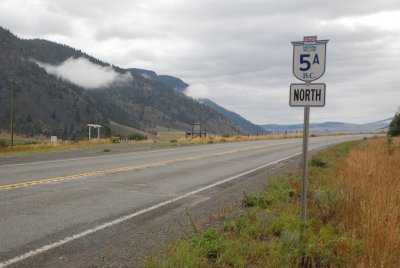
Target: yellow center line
<point x="127" y="168"/>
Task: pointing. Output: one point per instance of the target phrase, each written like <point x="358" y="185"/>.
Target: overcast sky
<point x="236" y="53"/>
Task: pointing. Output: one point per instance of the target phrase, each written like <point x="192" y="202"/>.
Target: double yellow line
<point x="127" y="168"/>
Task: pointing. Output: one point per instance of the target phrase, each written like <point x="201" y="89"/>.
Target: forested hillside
<point x="50" y="105"/>
<point x="44" y="104"/>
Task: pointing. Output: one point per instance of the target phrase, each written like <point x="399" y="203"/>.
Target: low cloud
<point x="84" y="73"/>
<point x="197" y="91"/>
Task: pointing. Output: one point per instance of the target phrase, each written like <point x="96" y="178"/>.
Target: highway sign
<point x="312" y="95"/>
<point x="309" y="57"/>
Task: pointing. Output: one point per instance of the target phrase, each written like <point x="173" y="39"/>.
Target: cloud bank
<point x="197" y="91"/>
<point x="84" y="73"/>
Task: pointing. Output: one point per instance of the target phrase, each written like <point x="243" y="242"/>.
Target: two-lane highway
<point x="47" y="204"/>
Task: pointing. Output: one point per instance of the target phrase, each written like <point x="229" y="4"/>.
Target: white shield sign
<point x="309" y="65"/>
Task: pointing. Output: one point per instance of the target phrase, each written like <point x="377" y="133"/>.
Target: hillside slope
<point x="166" y="80"/>
<point x="180" y="86"/>
<point x="43" y="103"/>
<point x="234" y="117"/>
<point x="50" y="105"/>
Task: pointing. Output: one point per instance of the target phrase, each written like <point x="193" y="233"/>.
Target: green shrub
<point x="253" y="200"/>
<point x="318" y="162"/>
<point x="3" y="143"/>
<point x="115" y="139"/>
<point x="277" y="191"/>
<point x="136" y="137"/>
<point x="209" y="243"/>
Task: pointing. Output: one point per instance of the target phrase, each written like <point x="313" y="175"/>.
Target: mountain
<point x="166" y="80"/>
<point x="48" y="104"/>
<point x="234" y="117"/>
<point x="180" y="86"/>
<point x="43" y="103"/>
<point x="332" y="127"/>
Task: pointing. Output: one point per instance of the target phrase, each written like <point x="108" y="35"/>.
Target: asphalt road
<point x="49" y="204"/>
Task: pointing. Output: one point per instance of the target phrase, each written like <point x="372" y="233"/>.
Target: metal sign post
<point x="12" y="111"/>
<point x="304" y="179"/>
<point x="309" y="57"/>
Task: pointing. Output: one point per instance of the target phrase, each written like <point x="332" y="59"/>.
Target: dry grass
<point x="167" y="136"/>
<point x="165" y="139"/>
<point x="217" y="138"/>
<point x="369" y="182"/>
<point x="45" y="146"/>
<point x="48" y="146"/>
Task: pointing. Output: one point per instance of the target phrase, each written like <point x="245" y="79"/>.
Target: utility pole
<point x="12" y="111"/>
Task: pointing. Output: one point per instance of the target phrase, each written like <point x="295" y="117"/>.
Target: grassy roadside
<point x="166" y="139"/>
<point x="353" y="217"/>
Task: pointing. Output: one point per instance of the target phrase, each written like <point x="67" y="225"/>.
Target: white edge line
<point x="130" y="216"/>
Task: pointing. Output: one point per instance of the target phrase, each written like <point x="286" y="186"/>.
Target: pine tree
<point x="394" y="127"/>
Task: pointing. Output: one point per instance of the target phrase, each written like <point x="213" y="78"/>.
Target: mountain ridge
<point x="48" y="104"/>
<point x="331" y="127"/>
<point x="252" y="129"/>
<point x="167" y="80"/>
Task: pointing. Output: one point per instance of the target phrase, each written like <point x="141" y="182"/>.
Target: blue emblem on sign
<point x="310" y="43"/>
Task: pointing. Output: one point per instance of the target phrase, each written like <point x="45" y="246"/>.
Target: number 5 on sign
<point x="309" y="60"/>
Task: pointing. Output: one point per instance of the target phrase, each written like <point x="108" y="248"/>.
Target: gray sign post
<point x="309" y="57"/>
<point x="305" y="164"/>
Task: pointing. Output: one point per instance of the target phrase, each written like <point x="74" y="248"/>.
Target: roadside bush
<point x="209" y="243"/>
<point x="136" y="137"/>
<point x="3" y="143"/>
<point x="279" y="190"/>
<point x="253" y="200"/>
<point x="318" y="162"/>
<point x="115" y="139"/>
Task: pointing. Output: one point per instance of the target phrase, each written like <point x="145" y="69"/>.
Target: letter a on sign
<point x="309" y="58"/>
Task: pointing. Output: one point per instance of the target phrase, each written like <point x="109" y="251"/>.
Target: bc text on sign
<point x="312" y="95"/>
<point x="309" y="65"/>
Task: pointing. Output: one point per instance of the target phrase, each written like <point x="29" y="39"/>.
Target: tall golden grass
<point x="218" y="138"/>
<point x="369" y="183"/>
<point x="60" y="145"/>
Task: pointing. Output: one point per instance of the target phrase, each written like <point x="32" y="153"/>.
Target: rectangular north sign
<point x="312" y="95"/>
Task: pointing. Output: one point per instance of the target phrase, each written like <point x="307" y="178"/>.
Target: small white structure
<point x="53" y="139"/>
<point x="94" y="126"/>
